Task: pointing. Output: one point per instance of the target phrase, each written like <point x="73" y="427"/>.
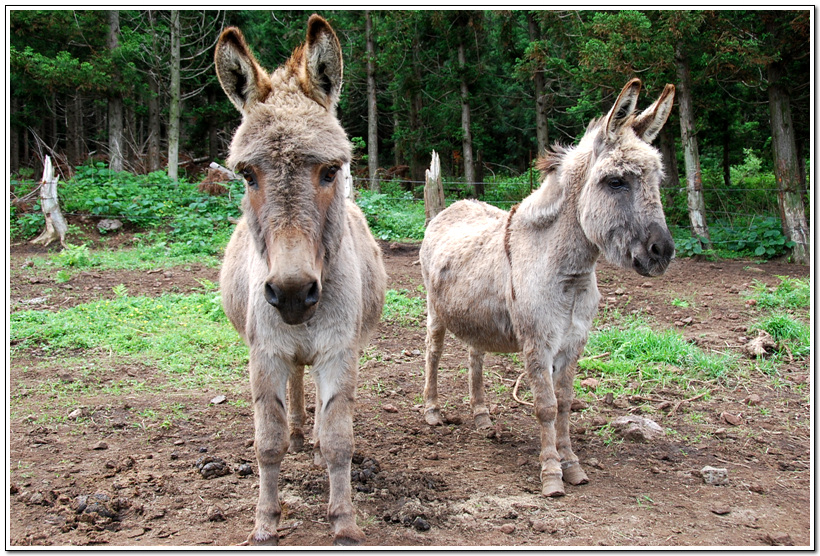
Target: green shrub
<point x="789" y="334"/>
<point x="393" y="218"/>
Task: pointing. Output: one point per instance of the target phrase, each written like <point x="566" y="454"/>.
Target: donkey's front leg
<point x="563" y="376"/>
<point x="269" y="376"/>
<point x="336" y="387"/>
<point x="538" y="364"/>
<point x="296" y="409"/>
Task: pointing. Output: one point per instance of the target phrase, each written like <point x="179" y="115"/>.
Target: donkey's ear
<point x="623" y="107"/>
<point x="649" y="123"/>
<point x="241" y="76"/>
<point x="320" y="70"/>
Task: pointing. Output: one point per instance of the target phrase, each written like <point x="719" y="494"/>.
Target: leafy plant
<point x="790" y="335"/>
<point x="75" y="256"/>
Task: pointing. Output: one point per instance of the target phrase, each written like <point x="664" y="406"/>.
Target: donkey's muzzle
<point x="296" y="302"/>
<point x="659" y="249"/>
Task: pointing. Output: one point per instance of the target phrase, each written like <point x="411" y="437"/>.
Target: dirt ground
<point x="103" y="481"/>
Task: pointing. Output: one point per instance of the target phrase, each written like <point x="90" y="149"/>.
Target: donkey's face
<point x="619" y="205"/>
<point x="289" y="148"/>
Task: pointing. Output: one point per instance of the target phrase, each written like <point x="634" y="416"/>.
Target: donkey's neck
<point x="548" y="218"/>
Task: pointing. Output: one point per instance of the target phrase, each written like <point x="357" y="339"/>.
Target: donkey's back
<point x="466" y="276"/>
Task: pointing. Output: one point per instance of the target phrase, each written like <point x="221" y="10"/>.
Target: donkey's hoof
<point x="262" y="538"/>
<point x="349" y="536"/>
<point x="574" y="474"/>
<point x="483" y="421"/>
<point x="552" y="487"/>
<point x="297" y="442"/>
<point x="433" y="417"/>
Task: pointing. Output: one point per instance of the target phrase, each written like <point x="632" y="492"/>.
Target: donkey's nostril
<point x="273" y="295"/>
<point x="312" y="297"/>
<point x="654" y="250"/>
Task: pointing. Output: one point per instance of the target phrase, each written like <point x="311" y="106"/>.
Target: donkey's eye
<point x="250" y="177"/>
<point x="329" y="174"/>
<point x="617" y="184"/>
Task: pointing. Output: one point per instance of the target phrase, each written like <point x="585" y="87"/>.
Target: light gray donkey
<point x="303" y="280"/>
<point x="525" y="280"/>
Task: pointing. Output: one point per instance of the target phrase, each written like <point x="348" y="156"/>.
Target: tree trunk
<point x="74" y="130"/>
<point x="174" y="103"/>
<point x="727" y="167"/>
<point x="372" y="112"/>
<point x="671" y="179"/>
<point x="115" y="133"/>
<point x="541" y="129"/>
<point x="213" y="126"/>
<point x="154" y="124"/>
<point x="466" y="133"/>
<point x="14" y="139"/>
<point x="56" y="226"/>
<point x="787" y="167"/>
<point x="694" y="182"/>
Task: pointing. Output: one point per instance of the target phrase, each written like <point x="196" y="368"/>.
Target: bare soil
<point x="104" y="481"/>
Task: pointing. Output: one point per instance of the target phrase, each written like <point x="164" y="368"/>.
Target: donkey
<point x="524" y="280"/>
<point x="303" y="280"/>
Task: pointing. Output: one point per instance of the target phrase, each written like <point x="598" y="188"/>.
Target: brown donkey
<point x="303" y="280"/>
<point x="525" y="280"/>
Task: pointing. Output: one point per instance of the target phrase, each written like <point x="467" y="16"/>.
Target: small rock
<point x="179" y="442"/>
<point x="431" y="456"/>
<point x="753" y="399"/>
<point x="215" y="513"/>
<point x="620" y="291"/>
<point x="757" y="487"/>
<point x="542" y="526"/>
<point x="390" y="408"/>
<point x="761" y="346"/>
<point x="100" y="446"/>
<point x="416" y="352"/>
<point x="109" y="225"/>
<point x="77" y="413"/>
<point x="720" y="510"/>
<point x="36" y="499"/>
<point x="590" y="383"/>
<point x="507" y="528"/>
<point x="249" y="443"/>
<point x="578" y="405"/>
<point x="779" y="539"/>
<point x="421" y="524"/>
<point x="593" y="462"/>
<point x="598" y="421"/>
<point x="453" y="420"/>
<point x="521" y="461"/>
<point x="174" y="455"/>
<point x="647" y="285"/>
<point x="636" y="428"/>
<point x="14" y="489"/>
<point x="609" y="399"/>
<point x="715" y="475"/>
<point x="244" y="470"/>
<point x="219" y="399"/>
<point x="203" y="449"/>
<point x="731" y="419"/>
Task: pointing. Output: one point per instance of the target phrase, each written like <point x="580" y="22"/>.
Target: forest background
<point x="127" y="104"/>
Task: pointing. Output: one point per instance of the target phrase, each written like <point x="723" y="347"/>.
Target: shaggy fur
<point x="303" y="280"/>
<point x="525" y="280"/>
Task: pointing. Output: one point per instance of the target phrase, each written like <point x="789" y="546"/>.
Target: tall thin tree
<point x="115" y="127"/>
<point x="372" y="111"/>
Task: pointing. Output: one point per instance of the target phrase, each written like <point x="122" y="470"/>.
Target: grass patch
<point x="187" y="337"/>
<point x="790" y="293"/>
<point x="403" y="309"/>
<point x="652" y="359"/>
<point x="790" y="335"/>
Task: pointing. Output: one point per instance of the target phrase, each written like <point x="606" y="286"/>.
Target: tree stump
<point x="56" y="226"/>
<point x="433" y="190"/>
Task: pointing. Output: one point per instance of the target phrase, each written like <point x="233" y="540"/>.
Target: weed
<point x="680" y="303"/>
<point x="790" y="293"/>
<point x="790" y="335"/>
<point x="120" y="290"/>
<point x="403" y="309"/>
<point x="62" y="276"/>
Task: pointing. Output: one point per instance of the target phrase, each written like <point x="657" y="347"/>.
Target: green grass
<point x="790" y="335"/>
<point x="790" y="293"/>
<point x="187" y="337"/>
<point x="638" y="354"/>
<point x="403" y="309"/>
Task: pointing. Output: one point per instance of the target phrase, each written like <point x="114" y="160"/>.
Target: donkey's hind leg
<point x="481" y="414"/>
<point x="433" y="346"/>
<point x="296" y="409"/>
<point x="564" y="376"/>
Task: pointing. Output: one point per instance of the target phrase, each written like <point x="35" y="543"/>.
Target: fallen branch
<point x="515" y="391"/>
<point x="677" y="405"/>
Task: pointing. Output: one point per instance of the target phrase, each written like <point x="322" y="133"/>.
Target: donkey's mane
<point x="552" y="159"/>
